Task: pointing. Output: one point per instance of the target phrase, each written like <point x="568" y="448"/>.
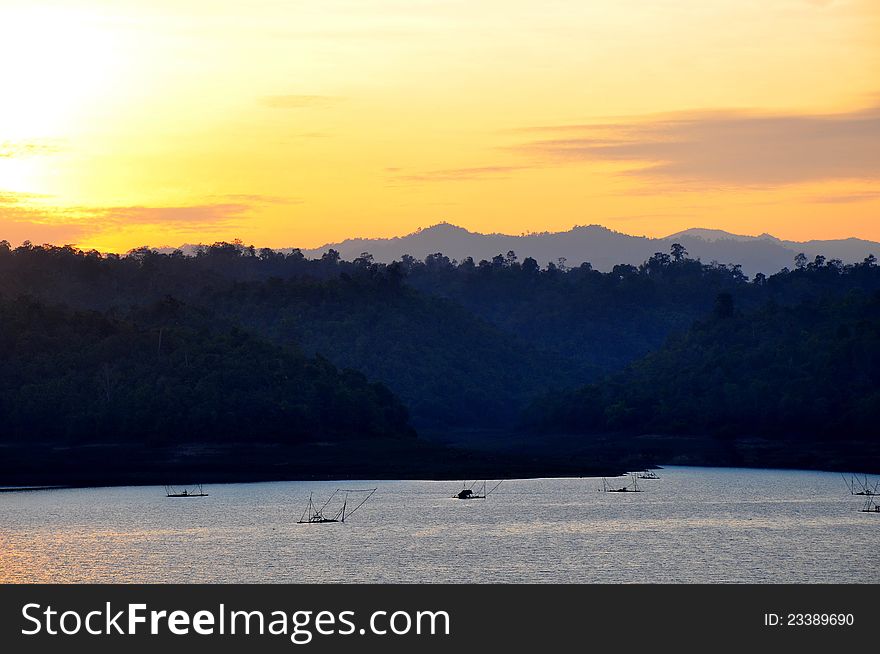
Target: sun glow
<point x="53" y="63"/>
<point x="373" y="118"/>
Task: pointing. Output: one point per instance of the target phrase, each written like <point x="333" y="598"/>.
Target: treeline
<point x="81" y="378"/>
<point x="809" y="371"/>
<point x="463" y="344"/>
<point x="450" y="367"/>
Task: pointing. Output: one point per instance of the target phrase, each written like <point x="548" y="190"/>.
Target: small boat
<point x="196" y="491"/>
<point x="313" y="514"/>
<point x="470" y="493"/>
<point x="632" y="487"/>
<point x="871" y="505"/>
<point x="864" y="487"/>
<point x="648" y="474"/>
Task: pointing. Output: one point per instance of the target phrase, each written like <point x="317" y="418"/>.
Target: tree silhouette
<point x="530" y="266"/>
<point x="678" y="251"/>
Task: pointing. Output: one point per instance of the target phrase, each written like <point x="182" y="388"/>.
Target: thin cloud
<point x="16" y="149"/>
<point x="725" y="147"/>
<point x="22" y="220"/>
<point x="847" y="198"/>
<point x="14" y="198"/>
<point x="202" y="216"/>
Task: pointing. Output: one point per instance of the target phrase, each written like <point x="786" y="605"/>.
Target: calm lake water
<point x="692" y="525"/>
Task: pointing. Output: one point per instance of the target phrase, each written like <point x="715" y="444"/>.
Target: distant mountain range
<point x="602" y="247"/>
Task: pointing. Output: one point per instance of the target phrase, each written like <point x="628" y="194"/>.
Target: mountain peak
<point x="603" y="248"/>
<point x="708" y="234"/>
<point x="592" y="228"/>
<point x="441" y="228"/>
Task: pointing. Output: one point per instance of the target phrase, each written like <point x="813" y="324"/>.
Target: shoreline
<point x="121" y="482"/>
<point x="136" y="465"/>
<point x="445" y="456"/>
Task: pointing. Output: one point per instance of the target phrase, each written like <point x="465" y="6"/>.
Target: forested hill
<point x="805" y="374"/>
<point x="450" y="367"/>
<point x="78" y="378"/>
<point x="462" y="344"/>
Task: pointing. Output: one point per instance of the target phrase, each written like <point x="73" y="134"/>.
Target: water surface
<point x="692" y="525"/>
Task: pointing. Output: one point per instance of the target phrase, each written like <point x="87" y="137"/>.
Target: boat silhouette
<point x="470" y="493"/>
<point x="197" y="491"/>
<point x="632" y="487"/>
<point x="865" y="487"/>
<point x="313" y="514"/>
<point x="871" y="505"/>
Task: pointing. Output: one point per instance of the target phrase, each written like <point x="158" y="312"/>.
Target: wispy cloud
<point x="16" y="149"/>
<point x="724" y="147"/>
<point x="203" y="216"/>
<point x="10" y="198"/>
<point x="24" y="217"/>
<point x="847" y="198"/>
<point x="20" y="221"/>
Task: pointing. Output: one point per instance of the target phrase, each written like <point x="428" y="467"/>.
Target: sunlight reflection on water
<point x="692" y="525"/>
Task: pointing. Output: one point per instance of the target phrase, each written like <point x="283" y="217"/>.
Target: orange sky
<point x="160" y="122"/>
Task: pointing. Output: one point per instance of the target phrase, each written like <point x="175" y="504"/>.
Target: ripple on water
<point x="692" y="525"/>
